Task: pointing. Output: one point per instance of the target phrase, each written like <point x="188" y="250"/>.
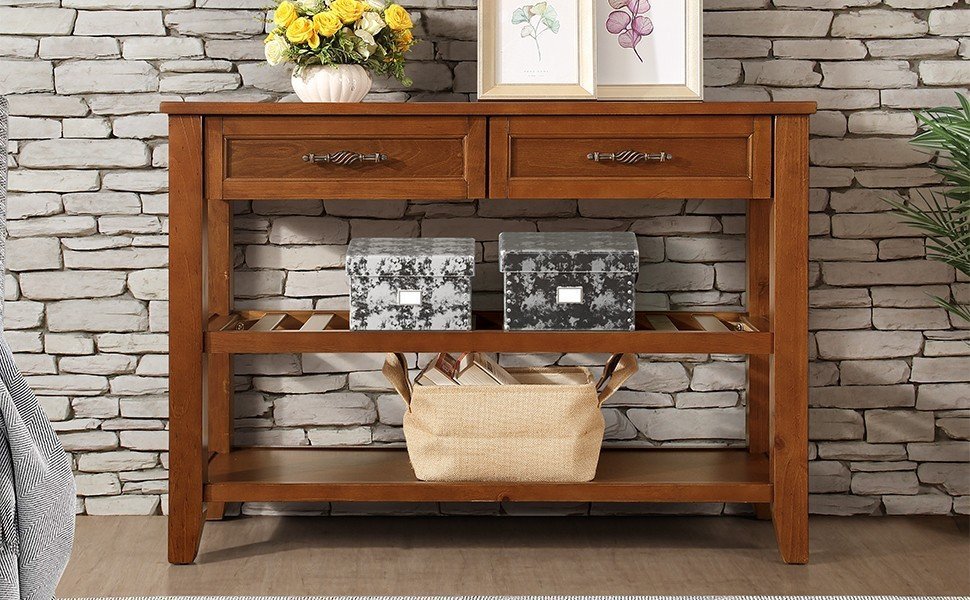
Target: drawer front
<point x="631" y="157"/>
<point x="347" y="157"/>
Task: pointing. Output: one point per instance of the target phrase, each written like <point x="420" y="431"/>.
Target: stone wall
<point x="86" y="289"/>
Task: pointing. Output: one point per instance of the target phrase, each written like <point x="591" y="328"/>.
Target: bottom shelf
<point x="384" y="474"/>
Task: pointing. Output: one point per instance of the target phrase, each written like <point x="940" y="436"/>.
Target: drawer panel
<point x="603" y="157"/>
<point x="356" y="157"/>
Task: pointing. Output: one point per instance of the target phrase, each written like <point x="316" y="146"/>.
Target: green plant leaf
<point x="551" y="19"/>
<point x="520" y="16"/>
<point x="944" y="216"/>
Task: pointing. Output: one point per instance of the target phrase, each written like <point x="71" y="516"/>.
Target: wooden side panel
<point x="758" y="290"/>
<point x="219" y="299"/>
<point x="186" y="324"/>
<point x="219" y="295"/>
<point x="219" y="373"/>
<point x="759" y="365"/>
<point x="789" y="317"/>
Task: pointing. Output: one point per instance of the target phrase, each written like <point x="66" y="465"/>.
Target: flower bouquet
<point x="337" y="45"/>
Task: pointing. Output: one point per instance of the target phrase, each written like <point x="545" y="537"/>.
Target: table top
<point x="487" y="108"/>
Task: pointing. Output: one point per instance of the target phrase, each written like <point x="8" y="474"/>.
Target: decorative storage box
<point x="569" y="281"/>
<point x="407" y="283"/>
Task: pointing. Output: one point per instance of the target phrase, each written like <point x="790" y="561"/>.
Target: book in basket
<point x="474" y="368"/>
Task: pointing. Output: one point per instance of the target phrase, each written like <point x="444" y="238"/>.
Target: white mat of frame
<point x="535" y="598"/>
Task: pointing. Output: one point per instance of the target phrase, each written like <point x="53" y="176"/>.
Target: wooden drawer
<point x="553" y="157"/>
<point x="417" y="157"/>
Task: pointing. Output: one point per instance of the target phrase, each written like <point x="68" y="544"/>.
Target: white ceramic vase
<point x="332" y="83"/>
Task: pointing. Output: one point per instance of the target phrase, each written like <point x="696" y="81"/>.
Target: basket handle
<point x="618" y="369"/>
<point x="396" y="370"/>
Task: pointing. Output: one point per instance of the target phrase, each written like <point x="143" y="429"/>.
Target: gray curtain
<point x="36" y="483"/>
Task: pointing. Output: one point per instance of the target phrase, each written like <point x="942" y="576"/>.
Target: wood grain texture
<point x="219" y="292"/>
<point x="186" y="323"/>
<point x="489" y="108"/>
<point x="218" y="277"/>
<point x="498" y="157"/>
<point x="488" y="336"/>
<point x="757" y="294"/>
<point x="437" y="158"/>
<point x="476" y="157"/>
<point x="376" y="474"/>
<point x="457" y="151"/>
<point x="713" y="157"/>
<point x="758" y="305"/>
<point x="789" y="318"/>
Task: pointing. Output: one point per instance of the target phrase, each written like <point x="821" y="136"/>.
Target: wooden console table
<point x="220" y="152"/>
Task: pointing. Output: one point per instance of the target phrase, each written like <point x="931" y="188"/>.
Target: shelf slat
<point x="235" y="334"/>
<point x="384" y="474"/>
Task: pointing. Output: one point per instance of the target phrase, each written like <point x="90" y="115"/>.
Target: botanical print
<point x="641" y="42"/>
<point x="629" y="23"/>
<point x="538" y="18"/>
<point x="537" y="42"/>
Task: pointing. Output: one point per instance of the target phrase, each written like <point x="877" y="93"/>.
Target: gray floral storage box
<point x="406" y="283"/>
<point x="569" y="281"/>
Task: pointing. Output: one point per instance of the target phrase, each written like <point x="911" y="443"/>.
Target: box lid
<point x="411" y="257"/>
<point x="580" y="251"/>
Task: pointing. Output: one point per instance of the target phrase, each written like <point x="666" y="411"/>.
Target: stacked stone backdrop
<point x="87" y="302"/>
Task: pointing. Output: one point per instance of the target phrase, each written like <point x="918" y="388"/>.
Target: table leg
<point x="789" y="364"/>
<point x="186" y="322"/>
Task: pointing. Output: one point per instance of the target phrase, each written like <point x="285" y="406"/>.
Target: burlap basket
<point x="547" y="429"/>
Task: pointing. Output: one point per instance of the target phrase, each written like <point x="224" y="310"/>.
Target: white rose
<point x="372" y="23"/>
<point x="378" y="5"/>
<point x="275" y="50"/>
<point x="365" y="43"/>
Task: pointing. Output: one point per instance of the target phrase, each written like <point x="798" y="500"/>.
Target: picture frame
<point x="633" y="50"/>
<point x="513" y="34"/>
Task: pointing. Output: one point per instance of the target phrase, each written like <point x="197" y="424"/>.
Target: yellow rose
<point x="327" y="23"/>
<point x="301" y="30"/>
<point x="397" y="18"/>
<point x="404" y="40"/>
<point x="285" y="14"/>
<point x="349" y="11"/>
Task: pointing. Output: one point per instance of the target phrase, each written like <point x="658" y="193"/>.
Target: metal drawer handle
<point x="344" y="157"/>
<point x="628" y="157"/>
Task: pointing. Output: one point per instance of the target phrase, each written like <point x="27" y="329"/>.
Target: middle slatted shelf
<point x="262" y="332"/>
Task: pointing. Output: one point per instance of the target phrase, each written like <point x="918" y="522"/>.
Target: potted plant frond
<point x="944" y="215"/>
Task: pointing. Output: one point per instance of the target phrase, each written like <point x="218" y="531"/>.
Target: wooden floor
<point x="121" y="556"/>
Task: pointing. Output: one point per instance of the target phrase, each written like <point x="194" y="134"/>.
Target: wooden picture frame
<point x="612" y="54"/>
<point x="502" y="32"/>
